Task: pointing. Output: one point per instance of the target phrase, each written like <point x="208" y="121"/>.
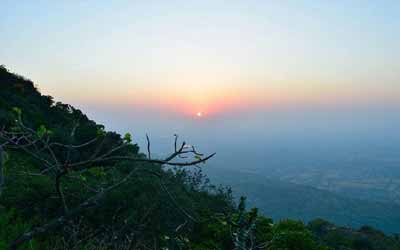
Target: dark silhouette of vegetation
<point x="66" y="183"/>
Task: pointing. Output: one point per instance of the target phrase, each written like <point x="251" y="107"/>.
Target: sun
<point x="199" y="114"/>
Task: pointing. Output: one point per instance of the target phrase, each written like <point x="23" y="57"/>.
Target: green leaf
<point x="49" y="132"/>
<point x="128" y="138"/>
<point x="17" y="111"/>
<point x="6" y="157"/>
<point x="96" y="171"/>
<point x="41" y="131"/>
<point x="100" y="132"/>
<point x="83" y="178"/>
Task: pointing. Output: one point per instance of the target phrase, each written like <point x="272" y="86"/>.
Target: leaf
<point x="100" y="132"/>
<point x="49" y="132"/>
<point x="41" y="131"/>
<point x="96" y="171"/>
<point x="128" y="138"/>
<point x="83" y="178"/>
<point x="17" y="111"/>
<point x="6" y="157"/>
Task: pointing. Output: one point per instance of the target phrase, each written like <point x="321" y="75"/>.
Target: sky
<point x="215" y="57"/>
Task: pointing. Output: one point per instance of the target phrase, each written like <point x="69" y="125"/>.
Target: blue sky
<point x="209" y="56"/>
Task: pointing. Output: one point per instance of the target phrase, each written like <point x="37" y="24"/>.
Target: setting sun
<point x="199" y="114"/>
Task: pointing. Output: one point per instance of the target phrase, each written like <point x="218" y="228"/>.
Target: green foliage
<point x="292" y="235"/>
<point x="100" y="131"/>
<point x="366" y="238"/>
<point x="212" y="233"/>
<point x="41" y="131"/>
<point x="12" y="225"/>
<point x="5" y="158"/>
<point x="27" y="193"/>
<point x="128" y="138"/>
<point x="17" y="112"/>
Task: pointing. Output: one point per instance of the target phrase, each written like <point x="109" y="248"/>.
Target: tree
<point x="57" y="163"/>
<point x="292" y="235"/>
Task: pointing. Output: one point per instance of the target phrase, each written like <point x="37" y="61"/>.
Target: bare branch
<point x="86" y="164"/>
<point x="74" y="146"/>
<point x="59" y="189"/>
<point x="148" y="147"/>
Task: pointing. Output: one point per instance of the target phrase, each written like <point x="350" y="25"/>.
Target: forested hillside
<point x="66" y="183"/>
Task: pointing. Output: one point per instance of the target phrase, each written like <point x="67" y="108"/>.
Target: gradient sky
<point x="209" y="56"/>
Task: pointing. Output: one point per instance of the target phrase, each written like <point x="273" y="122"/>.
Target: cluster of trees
<point x="66" y="183"/>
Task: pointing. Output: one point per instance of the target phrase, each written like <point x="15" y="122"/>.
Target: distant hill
<point x="281" y="200"/>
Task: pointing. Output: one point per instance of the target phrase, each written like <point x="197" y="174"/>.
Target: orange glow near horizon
<point x="198" y="102"/>
<point x="210" y="100"/>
